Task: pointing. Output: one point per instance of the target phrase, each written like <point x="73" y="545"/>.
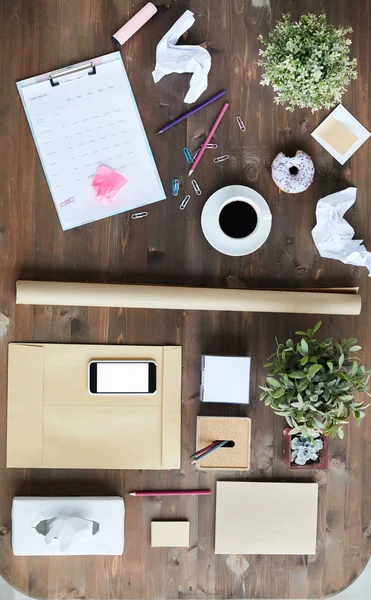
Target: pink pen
<point x="211" y="133"/>
<point x="145" y="14"/>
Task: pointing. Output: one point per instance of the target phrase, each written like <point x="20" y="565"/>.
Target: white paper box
<point x="108" y="512"/>
<point x="225" y="379"/>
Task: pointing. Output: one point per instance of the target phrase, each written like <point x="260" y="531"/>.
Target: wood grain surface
<point x="168" y="248"/>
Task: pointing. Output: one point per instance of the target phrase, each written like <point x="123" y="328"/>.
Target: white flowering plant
<point x="307" y="62"/>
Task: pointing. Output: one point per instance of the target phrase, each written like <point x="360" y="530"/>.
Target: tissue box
<point x="32" y="518"/>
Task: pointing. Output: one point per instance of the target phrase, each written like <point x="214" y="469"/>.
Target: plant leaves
<point x="355" y="348"/>
<point x="313" y="369"/>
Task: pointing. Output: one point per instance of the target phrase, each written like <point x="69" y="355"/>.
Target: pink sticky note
<point x="107" y="183"/>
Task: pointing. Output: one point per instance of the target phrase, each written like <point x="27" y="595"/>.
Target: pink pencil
<point x="173" y="493"/>
<point x="211" y="133"/>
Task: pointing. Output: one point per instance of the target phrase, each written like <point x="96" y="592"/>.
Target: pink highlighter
<point x="145" y="14"/>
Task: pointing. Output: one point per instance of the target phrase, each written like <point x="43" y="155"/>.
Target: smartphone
<point x="122" y="377"/>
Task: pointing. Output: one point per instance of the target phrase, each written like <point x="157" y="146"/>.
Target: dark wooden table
<point x="168" y="247"/>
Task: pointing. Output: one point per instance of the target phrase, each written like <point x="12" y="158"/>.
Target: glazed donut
<point x="293" y="174"/>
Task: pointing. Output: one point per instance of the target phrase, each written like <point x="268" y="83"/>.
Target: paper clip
<point x="212" y="146"/>
<point x="184" y="202"/>
<point x="196" y="187"/>
<point x="188" y="155"/>
<point x="240" y="124"/>
<point x="219" y="159"/>
<point x="175" y="187"/>
<point x="67" y="202"/>
<point x="140" y="215"/>
<point x="196" y="154"/>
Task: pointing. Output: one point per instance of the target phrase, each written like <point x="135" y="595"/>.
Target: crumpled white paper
<point x="65" y="529"/>
<point x="183" y="59"/>
<point x="333" y="235"/>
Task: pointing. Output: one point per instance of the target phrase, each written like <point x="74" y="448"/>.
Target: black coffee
<point x="238" y="219"/>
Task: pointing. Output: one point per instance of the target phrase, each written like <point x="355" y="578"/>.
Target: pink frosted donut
<point x="293" y="174"/>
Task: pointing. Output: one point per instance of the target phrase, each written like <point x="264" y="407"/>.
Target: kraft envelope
<point x="54" y="422"/>
<point x="266" y="518"/>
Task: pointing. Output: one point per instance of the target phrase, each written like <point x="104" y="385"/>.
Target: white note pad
<point x="83" y="122"/>
<point x="342" y="134"/>
<point x="225" y="379"/>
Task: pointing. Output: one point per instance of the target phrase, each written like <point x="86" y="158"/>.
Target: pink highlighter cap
<point x="145" y="14"/>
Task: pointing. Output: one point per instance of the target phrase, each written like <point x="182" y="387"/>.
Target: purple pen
<point x="191" y="112"/>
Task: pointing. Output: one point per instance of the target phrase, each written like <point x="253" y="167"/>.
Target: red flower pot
<point x="321" y="464"/>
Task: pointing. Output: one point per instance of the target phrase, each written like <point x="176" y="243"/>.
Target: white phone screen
<point x="122" y="378"/>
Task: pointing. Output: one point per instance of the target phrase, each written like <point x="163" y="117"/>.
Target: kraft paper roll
<point x="186" y="298"/>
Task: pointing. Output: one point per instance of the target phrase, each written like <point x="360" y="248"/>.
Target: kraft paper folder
<point x="54" y="422"/>
<point x="187" y="298"/>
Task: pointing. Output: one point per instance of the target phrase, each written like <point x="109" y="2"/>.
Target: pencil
<point x="202" y="450"/>
<point x="211" y="133"/>
<point x="173" y="493"/>
<point x="216" y="447"/>
<point x="190" y="112"/>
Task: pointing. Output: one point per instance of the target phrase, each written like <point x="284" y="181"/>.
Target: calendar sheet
<point x="82" y="123"/>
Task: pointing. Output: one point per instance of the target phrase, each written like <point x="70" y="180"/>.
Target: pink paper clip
<point x="208" y="147"/>
<point x="67" y="202"/>
<point x="220" y="159"/>
<point x="241" y="124"/>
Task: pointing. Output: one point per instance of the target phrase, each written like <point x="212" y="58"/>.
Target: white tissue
<point x="333" y="235"/>
<point x="66" y="529"/>
<point x="183" y="59"/>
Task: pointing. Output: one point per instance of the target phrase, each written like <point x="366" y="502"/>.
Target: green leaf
<point x="317" y="326"/>
<point x="274" y="382"/>
<point x="304" y="346"/>
<point x="268" y="364"/>
<point x="297" y="375"/>
<point x="354" y="369"/>
<point x="304" y="360"/>
<point x="341" y="433"/>
<point x="341" y="360"/>
<point x="355" y="348"/>
<point x="301" y="333"/>
<point x="313" y="369"/>
<point x="330" y="366"/>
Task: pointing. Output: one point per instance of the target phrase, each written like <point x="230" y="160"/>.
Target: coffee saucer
<point x="230" y="227"/>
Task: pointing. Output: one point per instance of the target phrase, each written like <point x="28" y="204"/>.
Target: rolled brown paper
<point x="186" y="298"/>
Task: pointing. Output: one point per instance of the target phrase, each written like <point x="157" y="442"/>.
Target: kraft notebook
<point x="54" y="422"/>
<point x="83" y="117"/>
<point x="266" y="517"/>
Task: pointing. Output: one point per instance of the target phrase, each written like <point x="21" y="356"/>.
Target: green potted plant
<point x="305" y="452"/>
<point x="307" y="62"/>
<point x="312" y="384"/>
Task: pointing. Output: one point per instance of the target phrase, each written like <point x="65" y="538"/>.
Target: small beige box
<point x="170" y="534"/>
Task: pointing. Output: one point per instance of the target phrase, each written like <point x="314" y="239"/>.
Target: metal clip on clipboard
<point x="71" y="71"/>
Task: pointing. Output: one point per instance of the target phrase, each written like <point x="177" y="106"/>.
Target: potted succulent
<point x="312" y="384"/>
<point x="307" y="62"/>
<point x="305" y="452"/>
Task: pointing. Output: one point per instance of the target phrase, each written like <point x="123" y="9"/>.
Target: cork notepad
<point x="337" y="135"/>
<point x="235" y="429"/>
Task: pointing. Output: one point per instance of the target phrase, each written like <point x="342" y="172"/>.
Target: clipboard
<point x="84" y="116"/>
